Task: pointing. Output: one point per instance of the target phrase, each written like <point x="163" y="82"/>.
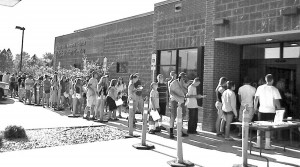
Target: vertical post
<point x="245" y="132"/>
<point x="130" y="118"/>
<point x="143" y="145"/>
<point x="144" y="128"/>
<point x="179" y="132"/>
<point x="22" y="49"/>
<point x="179" y="159"/>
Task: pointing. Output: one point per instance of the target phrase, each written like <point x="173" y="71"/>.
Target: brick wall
<point x="248" y="17"/>
<point x="123" y="41"/>
<point x="182" y="29"/>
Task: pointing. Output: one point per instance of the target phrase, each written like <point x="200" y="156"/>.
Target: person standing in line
<point x="22" y="92"/>
<point x="177" y="94"/>
<point x="112" y="96"/>
<point x="173" y="76"/>
<point x="29" y="82"/>
<point x="229" y="107"/>
<point x="268" y="97"/>
<point x="5" y="77"/>
<point x="12" y="85"/>
<point x="132" y="92"/>
<point x="121" y="87"/>
<point x="154" y="105"/>
<point x="102" y="92"/>
<point x="139" y="98"/>
<point x="91" y="96"/>
<point x="62" y="91"/>
<point x="246" y="95"/>
<point x="220" y="122"/>
<point x="163" y="96"/>
<point x="192" y="105"/>
<point x="54" y="96"/>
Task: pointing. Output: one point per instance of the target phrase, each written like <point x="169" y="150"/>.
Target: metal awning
<point x="9" y="3"/>
<point x="293" y="35"/>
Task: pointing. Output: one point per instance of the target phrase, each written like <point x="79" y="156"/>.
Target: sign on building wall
<point x="153" y="62"/>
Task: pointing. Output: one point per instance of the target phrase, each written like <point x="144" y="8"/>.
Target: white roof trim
<point x="117" y="21"/>
<point x="165" y="2"/>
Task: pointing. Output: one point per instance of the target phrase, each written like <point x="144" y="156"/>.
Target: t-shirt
<point x="154" y="99"/>
<point x="162" y="91"/>
<point x="63" y="86"/>
<point x="175" y="87"/>
<point x="192" y="102"/>
<point x="247" y="92"/>
<point x="267" y="94"/>
<point x="47" y="85"/>
<point x="136" y="85"/>
<point x="229" y="101"/>
<point x="29" y="84"/>
<point x="93" y="84"/>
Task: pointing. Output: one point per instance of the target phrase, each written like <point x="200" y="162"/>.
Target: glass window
<point x="188" y="62"/>
<point x="165" y="70"/>
<point x="262" y="51"/>
<point x="291" y="50"/>
<point x="168" y="57"/>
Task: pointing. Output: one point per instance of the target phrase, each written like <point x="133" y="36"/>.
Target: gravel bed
<point x="41" y="138"/>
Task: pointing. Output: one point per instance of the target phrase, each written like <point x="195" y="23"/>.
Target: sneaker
<point x="162" y="128"/>
<point x="256" y="146"/>
<point x="269" y="148"/>
<point x="184" y="134"/>
<point x="157" y="129"/>
<point x="219" y="134"/>
<point x="229" y="139"/>
<point x="151" y="131"/>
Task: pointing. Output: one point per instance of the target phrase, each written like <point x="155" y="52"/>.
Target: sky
<point x="46" y="19"/>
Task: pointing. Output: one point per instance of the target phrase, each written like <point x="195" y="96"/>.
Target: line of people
<point x="263" y="101"/>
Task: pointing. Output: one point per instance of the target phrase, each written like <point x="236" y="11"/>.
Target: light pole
<point x="21" y="28"/>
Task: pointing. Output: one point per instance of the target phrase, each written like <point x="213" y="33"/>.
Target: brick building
<point x="206" y="38"/>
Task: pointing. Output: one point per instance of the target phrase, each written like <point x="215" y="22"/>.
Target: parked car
<point x="4" y="89"/>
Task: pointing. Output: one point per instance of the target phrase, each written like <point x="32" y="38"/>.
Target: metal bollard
<point x="131" y="120"/>
<point x="179" y="161"/>
<point x="74" y="108"/>
<point x="245" y="133"/>
<point x="143" y="145"/>
<point x="101" y="109"/>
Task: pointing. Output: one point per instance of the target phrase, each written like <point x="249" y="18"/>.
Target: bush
<point x="14" y="132"/>
<point x="1" y="141"/>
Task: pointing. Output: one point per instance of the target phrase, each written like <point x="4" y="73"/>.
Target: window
<point x="188" y="62"/>
<point x="167" y="62"/>
<point x="122" y="67"/>
<point x="262" y="51"/>
<point x="291" y="50"/>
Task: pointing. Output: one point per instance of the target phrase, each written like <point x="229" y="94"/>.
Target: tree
<point x="25" y="60"/>
<point x="6" y="60"/>
<point x="48" y="59"/>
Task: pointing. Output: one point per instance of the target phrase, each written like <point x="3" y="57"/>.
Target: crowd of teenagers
<point x="262" y="99"/>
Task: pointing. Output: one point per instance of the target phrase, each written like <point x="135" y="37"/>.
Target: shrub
<point x="14" y="132"/>
<point x="1" y="141"/>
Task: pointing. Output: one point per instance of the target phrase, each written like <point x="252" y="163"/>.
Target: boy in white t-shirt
<point x="192" y="105"/>
<point x="246" y="95"/>
<point x="268" y="97"/>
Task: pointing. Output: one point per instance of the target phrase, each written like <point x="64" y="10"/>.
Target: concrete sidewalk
<point x="121" y="153"/>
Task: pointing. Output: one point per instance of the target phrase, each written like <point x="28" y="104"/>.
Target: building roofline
<point x="165" y="2"/>
<point x="116" y="21"/>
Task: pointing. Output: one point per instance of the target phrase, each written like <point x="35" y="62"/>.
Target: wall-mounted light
<point x="178" y="7"/>
<point x="269" y="39"/>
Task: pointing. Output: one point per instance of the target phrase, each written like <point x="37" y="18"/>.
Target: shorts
<point x="91" y="101"/>
<point x="266" y="116"/>
<point x="251" y="113"/>
<point x="28" y="93"/>
<point x="218" y="106"/>
<point x="111" y="104"/>
<point x="162" y="106"/>
<point x="174" y="109"/>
